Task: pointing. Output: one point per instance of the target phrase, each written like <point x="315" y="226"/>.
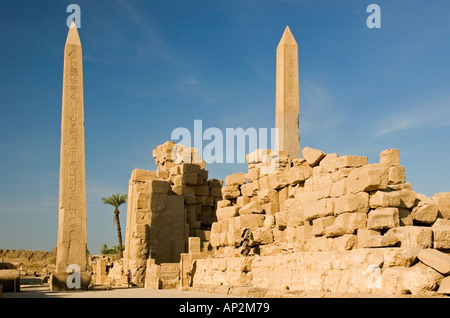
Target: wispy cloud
<point x="434" y="114"/>
<point x="318" y="109"/>
<point x="153" y="45"/>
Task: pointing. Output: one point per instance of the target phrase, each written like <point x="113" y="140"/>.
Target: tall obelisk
<point x="72" y="234"/>
<point x="287" y="106"/>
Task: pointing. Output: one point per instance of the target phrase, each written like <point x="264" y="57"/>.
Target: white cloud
<point x="434" y="114"/>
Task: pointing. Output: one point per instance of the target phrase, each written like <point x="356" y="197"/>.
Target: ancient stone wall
<point x="167" y="206"/>
<point x="312" y="223"/>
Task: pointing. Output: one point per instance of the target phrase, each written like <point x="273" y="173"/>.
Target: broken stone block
<point x="249" y="220"/>
<point x="270" y="208"/>
<point x="157" y="186"/>
<point x="261" y="235"/>
<point x="298" y="173"/>
<point x="194" y="245"/>
<point x="397" y="175"/>
<point x="390" y="157"/>
<point x="294" y="217"/>
<point x="383" y="199"/>
<point x="263" y="183"/>
<point x="215" y="183"/>
<point x="372" y="238"/>
<point x="281" y="219"/>
<point x="318" y="209"/>
<point x="420" y="279"/>
<point x="279" y="236"/>
<point x="442" y="201"/>
<point x="338" y="188"/>
<point x="252" y="207"/>
<point x="354" y="202"/>
<point x="405" y="217"/>
<point x="210" y="201"/>
<point x="312" y="156"/>
<point x="320" y="243"/>
<point x="436" y="260"/>
<point x="407" y="198"/>
<point x="424" y="210"/>
<point x="317" y="170"/>
<point x="444" y="287"/>
<point x="190" y="199"/>
<point x="400" y="256"/>
<point x="383" y="218"/>
<point x="292" y="190"/>
<point x="392" y="280"/>
<point x="269" y="221"/>
<point x="278" y="180"/>
<point x="341" y="173"/>
<point x="259" y="156"/>
<point x="346" y="223"/>
<point x="189" y="178"/>
<point x="401" y="186"/>
<point x="230" y="192"/>
<point x="235" y="179"/>
<point x="319" y="225"/>
<point x="368" y="178"/>
<point x="413" y="236"/>
<point x="249" y="189"/>
<point x="252" y="174"/>
<point x="226" y="212"/>
<point x="328" y="163"/>
<point x="267" y="196"/>
<point x="216" y="192"/>
<point x="223" y="203"/>
<point x="202" y="190"/>
<point x="242" y="200"/>
<point x="441" y="236"/>
<point x="351" y="162"/>
<point x="344" y="243"/>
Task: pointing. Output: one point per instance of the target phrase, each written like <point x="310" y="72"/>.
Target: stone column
<point x="72" y="234"/>
<point x="287" y="96"/>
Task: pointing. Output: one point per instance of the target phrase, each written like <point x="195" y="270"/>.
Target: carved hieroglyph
<point x="287" y="96"/>
<point x="72" y="237"/>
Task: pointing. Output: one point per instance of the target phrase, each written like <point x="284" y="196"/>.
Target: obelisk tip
<point x="287" y="38"/>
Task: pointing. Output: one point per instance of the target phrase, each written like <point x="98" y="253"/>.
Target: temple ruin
<point x="290" y="223"/>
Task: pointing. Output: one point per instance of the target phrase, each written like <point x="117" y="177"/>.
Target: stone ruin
<point x="319" y="223"/>
<point x="323" y="222"/>
<point x="328" y="223"/>
<point x="168" y="206"/>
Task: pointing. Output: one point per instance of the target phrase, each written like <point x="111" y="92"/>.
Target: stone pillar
<point x="287" y="96"/>
<point x="72" y="234"/>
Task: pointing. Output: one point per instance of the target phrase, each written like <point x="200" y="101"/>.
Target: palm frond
<point x="115" y="200"/>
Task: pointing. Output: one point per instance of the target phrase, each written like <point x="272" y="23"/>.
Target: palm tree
<point x="116" y="200"/>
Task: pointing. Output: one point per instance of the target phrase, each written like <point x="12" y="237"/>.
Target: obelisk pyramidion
<point x="72" y="234"/>
<point x="287" y="105"/>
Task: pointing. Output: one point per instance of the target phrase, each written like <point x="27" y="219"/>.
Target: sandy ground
<point x="42" y="291"/>
<point x="115" y="293"/>
<point x="33" y="288"/>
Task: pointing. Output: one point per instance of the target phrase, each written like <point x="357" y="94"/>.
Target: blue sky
<point x="153" y="66"/>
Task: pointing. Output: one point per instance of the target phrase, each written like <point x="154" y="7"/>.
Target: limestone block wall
<point x="325" y="203"/>
<point x="166" y="207"/>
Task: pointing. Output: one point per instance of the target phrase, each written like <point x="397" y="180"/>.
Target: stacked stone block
<point x="330" y="203"/>
<point x="167" y="206"/>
